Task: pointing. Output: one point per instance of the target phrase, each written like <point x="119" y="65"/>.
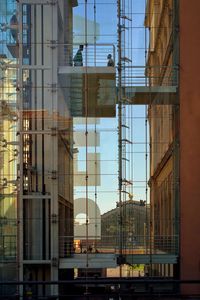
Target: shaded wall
<point x="190" y="142"/>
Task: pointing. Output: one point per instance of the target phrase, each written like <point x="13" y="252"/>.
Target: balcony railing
<point x="150" y="76"/>
<point x="93" y="55"/>
<point x="110" y="244"/>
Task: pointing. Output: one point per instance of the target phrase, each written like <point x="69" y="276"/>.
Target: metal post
<point x="54" y="157"/>
<point x="86" y="143"/>
<point x="175" y="120"/>
<point x="20" y="197"/>
<point x="119" y="68"/>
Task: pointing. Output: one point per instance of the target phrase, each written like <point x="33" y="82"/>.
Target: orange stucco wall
<point x="190" y="142"/>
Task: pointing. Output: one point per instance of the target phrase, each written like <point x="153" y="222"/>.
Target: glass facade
<point x="9" y="146"/>
<point x="80" y="84"/>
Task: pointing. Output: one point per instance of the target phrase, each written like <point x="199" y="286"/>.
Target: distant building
<point x="163" y="133"/>
<point x="135" y="216"/>
<point x="174" y="129"/>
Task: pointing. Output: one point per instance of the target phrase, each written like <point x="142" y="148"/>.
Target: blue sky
<point x="107" y="193"/>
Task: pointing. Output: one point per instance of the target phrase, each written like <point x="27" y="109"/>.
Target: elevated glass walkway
<point x="159" y="250"/>
<point x="146" y="95"/>
<point x="97" y="84"/>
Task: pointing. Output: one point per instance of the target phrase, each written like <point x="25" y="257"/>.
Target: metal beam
<point x="84" y="70"/>
<point x="151" y="258"/>
<point x="36" y="262"/>
<point x="103" y="260"/>
<point x="100" y="260"/>
<point x="36" y="196"/>
<point x="38" y="2"/>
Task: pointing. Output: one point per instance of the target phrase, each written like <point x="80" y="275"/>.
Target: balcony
<point x="105" y="252"/>
<point x="145" y="85"/>
<point x="92" y="86"/>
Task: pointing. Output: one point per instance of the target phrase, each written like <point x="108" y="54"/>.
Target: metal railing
<point x="93" y="55"/>
<point x="140" y="244"/>
<point x="150" y="76"/>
